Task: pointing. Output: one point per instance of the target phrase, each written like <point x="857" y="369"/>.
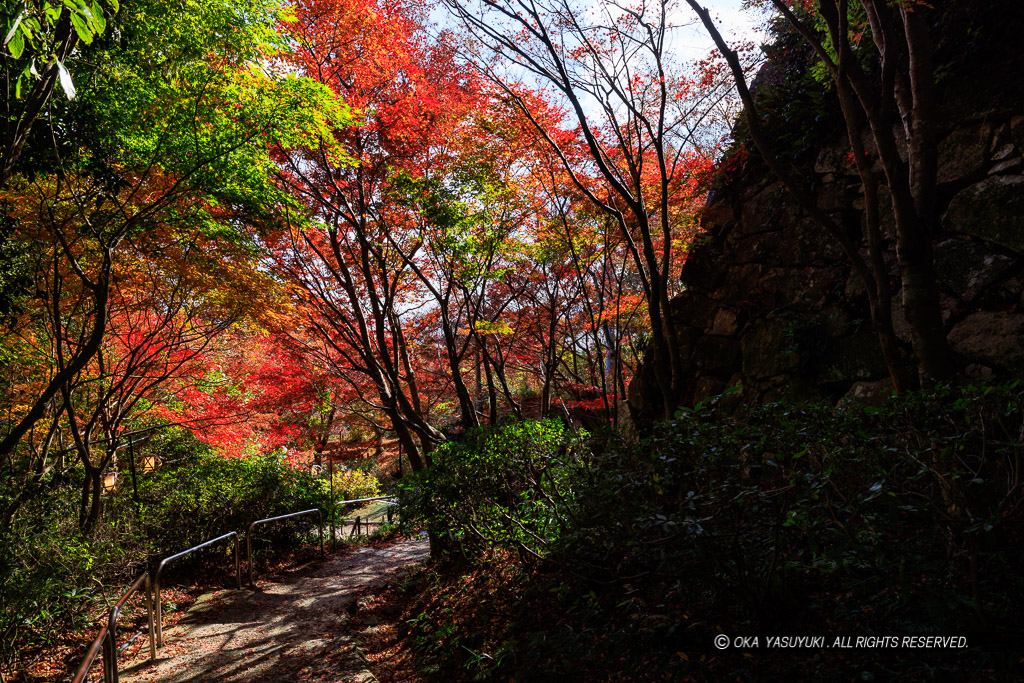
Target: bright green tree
<point x="179" y="108"/>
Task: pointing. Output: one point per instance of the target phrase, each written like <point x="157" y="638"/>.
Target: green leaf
<point x="98" y="21"/>
<point x="81" y="27"/>
<point x="16" y="45"/>
<point x="17" y="23"/>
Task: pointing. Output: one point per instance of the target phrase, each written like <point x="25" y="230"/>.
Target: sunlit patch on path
<point x="293" y="628"/>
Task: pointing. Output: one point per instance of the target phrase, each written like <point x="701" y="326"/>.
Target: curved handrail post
<point x="98" y="647"/>
<point x="110" y="659"/>
<point x="112" y="622"/>
<point x="248" y="534"/>
<point x="160" y="569"/>
<point x="248" y="552"/>
<point x="238" y="570"/>
<point x="334" y="510"/>
<point x="320" y="528"/>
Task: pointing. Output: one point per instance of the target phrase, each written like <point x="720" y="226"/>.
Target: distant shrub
<point x="351" y="485"/>
<point x="206" y="495"/>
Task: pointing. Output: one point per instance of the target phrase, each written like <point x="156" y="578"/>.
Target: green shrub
<point x="352" y="485"/>
<point x="789" y="519"/>
<point x="50" y="576"/>
<point x="807" y="518"/>
<point x="46" y="573"/>
<point x="509" y="486"/>
<point x="206" y="495"/>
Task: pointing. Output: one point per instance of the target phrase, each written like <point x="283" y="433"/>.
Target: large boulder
<point x="968" y="268"/>
<point x="992" y="339"/>
<point x="768" y="349"/>
<point x="854" y="358"/>
<point x="962" y="153"/>
<point x="716" y="354"/>
<point x="992" y="210"/>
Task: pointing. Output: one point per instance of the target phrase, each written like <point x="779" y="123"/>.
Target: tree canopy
<point x="280" y="226"/>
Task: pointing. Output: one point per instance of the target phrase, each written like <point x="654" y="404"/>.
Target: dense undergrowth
<point x="54" y="580"/>
<point x="624" y="560"/>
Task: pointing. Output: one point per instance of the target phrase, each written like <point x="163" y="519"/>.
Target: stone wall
<point x="770" y="304"/>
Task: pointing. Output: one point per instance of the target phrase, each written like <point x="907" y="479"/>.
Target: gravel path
<point x="290" y="630"/>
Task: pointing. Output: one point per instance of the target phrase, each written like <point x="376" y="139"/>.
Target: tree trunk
<point x="466" y="409"/>
<point x="92" y="490"/>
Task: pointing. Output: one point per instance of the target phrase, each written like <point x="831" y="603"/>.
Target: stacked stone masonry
<point x="771" y="306"/>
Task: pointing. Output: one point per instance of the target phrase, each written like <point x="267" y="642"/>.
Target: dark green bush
<point x="45" y="573"/>
<point x="207" y="495"/>
<point x="789" y="519"/>
<point x="810" y="519"/>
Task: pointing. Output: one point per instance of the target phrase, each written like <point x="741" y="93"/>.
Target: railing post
<point x="111" y="651"/>
<point x="109" y="659"/>
<point x="112" y="638"/>
<point x="334" y="539"/>
<point x="320" y="528"/>
<point x="98" y="648"/>
<point x="248" y="534"/>
<point x="238" y="570"/>
<point x="248" y="552"/>
<point x="149" y="615"/>
<point x="159" y="609"/>
<point x="160" y="569"/>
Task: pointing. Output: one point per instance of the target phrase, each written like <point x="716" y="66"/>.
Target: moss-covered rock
<point x="851" y="359"/>
<point x="768" y="349"/>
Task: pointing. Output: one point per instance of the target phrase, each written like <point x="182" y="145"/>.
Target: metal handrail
<point x="248" y="534"/>
<point x="101" y="643"/>
<point x="112" y="622"/>
<point x="334" y="540"/>
<point x="364" y="500"/>
<point x="160" y="569"/>
<point x="106" y="643"/>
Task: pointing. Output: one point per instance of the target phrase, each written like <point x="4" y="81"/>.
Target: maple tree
<point x="179" y="157"/>
<point x="641" y="124"/>
<point x="356" y="288"/>
<point x="449" y="244"/>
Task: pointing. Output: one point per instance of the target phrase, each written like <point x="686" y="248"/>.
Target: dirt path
<point x="291" y="630"/>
